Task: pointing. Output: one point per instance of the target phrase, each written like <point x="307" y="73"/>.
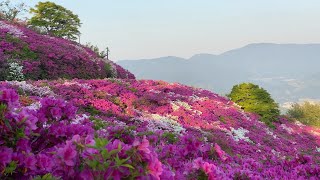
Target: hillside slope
<point x="155" y="130"/>
<point x="26" y="54"/>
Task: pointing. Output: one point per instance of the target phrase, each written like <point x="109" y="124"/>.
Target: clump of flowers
<point x="13" y="30"/>
<point x="286" y="128"/>
<point x="31" y="89"/>
<point x="45" y="142"/>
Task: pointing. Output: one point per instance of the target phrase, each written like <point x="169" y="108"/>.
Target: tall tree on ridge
<point x="55" y="20"/>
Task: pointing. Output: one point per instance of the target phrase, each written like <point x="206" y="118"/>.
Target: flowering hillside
<point x="25" y="54"/>
<point x="128" y="129"/>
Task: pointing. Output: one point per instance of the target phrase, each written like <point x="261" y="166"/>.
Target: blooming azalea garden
<point x="115" y="128"/>
<point x="121" y="128"/>
<point x="45" y="57"/>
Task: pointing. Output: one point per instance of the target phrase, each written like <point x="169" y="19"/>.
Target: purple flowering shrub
<point x="52" y="140"/>
<point x="122" y="129"/>
<point x="46" y="57"/>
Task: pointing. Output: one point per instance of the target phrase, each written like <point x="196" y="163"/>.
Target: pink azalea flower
<point x="23" y="145"/>
<point x="207" y="167"/>
<point x="45" y="162"/>
<point x="76" y="138"/>
<point x="197" y="163"/>
<point x="222" y="155"/>
<point x="89" y="140"/>
<point x="31" y="122"/>
<point x="114" y="173"/>
<point x="10" y="96"/>
<point x="30" y="162"/>
<point x="155" y="167"/>
<point x="70" y="111"/>
<point x="18" y="157"/>
<point x="5" y="155"/>
<point x="68" y="154"/>
<point x="56" y="112"/>
<point x="143" y="146"/>
<point x="86" y="175"/>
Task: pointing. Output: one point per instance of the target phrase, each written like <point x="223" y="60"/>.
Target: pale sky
<point x="138" y="29"/>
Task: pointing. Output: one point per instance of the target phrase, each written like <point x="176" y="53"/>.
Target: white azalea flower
<point x="15" y="72"/>
<point x="12" y="29"/>
<point x="239" y="134"/>
<point x="288" y="129"/>
<point x="39" y="91"/>
<point x="271" y="133"/>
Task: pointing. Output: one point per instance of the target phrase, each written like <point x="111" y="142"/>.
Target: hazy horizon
<point x="221" y="53"/>
<point x="147" y="29"/>
<point x="289" y="72"/>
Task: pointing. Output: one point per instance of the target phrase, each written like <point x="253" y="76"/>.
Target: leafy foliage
<point x="55" y="20"/>
<point x="307" y="113"/>
<point x="254" y="99"/>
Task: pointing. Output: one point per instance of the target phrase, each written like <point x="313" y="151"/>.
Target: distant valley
<point x="289" y="72"/>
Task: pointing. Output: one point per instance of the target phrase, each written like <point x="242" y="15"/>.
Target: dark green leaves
<point x="10" y="169"/>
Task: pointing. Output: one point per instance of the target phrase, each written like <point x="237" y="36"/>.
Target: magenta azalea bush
<point x="30" y="55"/>
<point x="129" y="129"/>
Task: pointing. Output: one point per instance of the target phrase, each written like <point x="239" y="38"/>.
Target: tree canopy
<point x="254" y="99"/>
<point x="55" y="20"/>
<point x="10" y="12"/>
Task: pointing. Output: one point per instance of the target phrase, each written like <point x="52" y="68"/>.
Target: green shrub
<point x="92" y="110"/>
<point x="110" y="71"/>
<point x="254" y="99"/>
<point x="307" y="113"/>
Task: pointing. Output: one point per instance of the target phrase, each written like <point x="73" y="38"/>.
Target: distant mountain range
<point x="290" y="72"/>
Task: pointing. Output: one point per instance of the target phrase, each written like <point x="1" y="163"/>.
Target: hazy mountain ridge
<point x="288" y="71"/>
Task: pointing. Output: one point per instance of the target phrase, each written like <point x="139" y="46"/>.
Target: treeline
<point x="307" y="113"/>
